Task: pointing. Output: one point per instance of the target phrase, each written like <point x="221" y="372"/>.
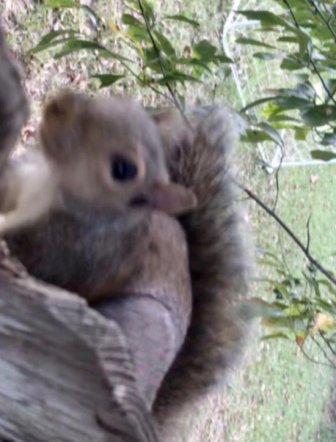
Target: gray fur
<point x="219" y="264"/>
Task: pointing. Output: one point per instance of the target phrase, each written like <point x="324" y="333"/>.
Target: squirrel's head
<point x="109" y="152"/>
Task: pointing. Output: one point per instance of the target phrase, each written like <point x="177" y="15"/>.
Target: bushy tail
<point x="219" y="263"/>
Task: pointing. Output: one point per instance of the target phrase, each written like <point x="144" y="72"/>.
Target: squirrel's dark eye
<point x="123" y="169"/>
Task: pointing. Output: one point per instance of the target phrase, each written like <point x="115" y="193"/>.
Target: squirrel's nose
<point x="169" y="197"/>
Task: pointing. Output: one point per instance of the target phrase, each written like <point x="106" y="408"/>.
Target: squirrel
<point x="74" y="238"/>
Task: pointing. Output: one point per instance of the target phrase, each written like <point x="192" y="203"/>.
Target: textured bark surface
<point x="65" y="372"/>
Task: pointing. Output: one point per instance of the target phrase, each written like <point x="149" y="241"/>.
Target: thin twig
<point x="323" y="351"/>
<point x="158" y="53"/>
<point x="277" y="177"/>
<point x="314" y="361"/>
<point x="291" y="234"/>
<point x="137" y="76"/>
<point x="317" y="72"/>
<point x="333" y="351"/>
<point x="308" y="233"/>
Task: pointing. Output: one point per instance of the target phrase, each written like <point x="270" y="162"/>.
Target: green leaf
<point x="324" y="155"/>
<point x="164" y="44"/>
<point x="265" y="17"/>
<point x="273" y="134"/>
<point x="278" y="335"/>
<point x="183" y="18"/>
<point x="106" y="53"/>
<point x="178" y="77"/>
<point x="291" y="65"/>
<point x="148" y="12"/>
<point x="255" y="136"/>
<point x="291" y="102"/>
<point x="51" y="39"/>
<point x="319" y="115"/>
<point x="283" y="103"/>
<point x="265" y="55"/>
<point x="301" y="90"/>
<point x="191" y="62"/>
<point x="54" y="34"/>
<point x="223" y="58"/>
<point x="288" y="39"/>
<point x="136" y="29"/>
<point x="130" y="20"/>
<point x="204" y="51"/>
<point x="281" y="290"/>
<point x="153" y="61"/>
<point x="269" y="19"/>
<point x="256" y="103"/>
<point x="301" y="133"/>
<point x="253" y="42"/>
<point x="62" y="4"/>
<point x="107" y="79"/>
<point x="75" y="45"/>
<point x="329" y="139"/>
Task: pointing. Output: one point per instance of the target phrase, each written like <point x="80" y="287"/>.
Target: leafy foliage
<point x="154" y="62"/>
<point x="304" y="32"/>
<point x="306" y="48"/>
<point x="302" y="307"/>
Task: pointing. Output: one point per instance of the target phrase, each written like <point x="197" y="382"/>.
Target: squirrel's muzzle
<point x="171" y="198"/>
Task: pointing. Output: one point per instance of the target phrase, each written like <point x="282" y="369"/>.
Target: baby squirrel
<point x="76" y="209"/>
<point x="78" y="244"/>
<point x="75" y="236"/>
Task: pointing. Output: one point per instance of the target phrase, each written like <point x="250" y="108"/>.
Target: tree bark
<point x="65" y="372"/>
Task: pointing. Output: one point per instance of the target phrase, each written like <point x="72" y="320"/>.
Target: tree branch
<point x="70" y="366"/>
<point x="291" y="234"/>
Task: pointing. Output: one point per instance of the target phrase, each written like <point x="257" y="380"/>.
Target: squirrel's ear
<point x="59" y="129"/>
<point x="172" y="198"/>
